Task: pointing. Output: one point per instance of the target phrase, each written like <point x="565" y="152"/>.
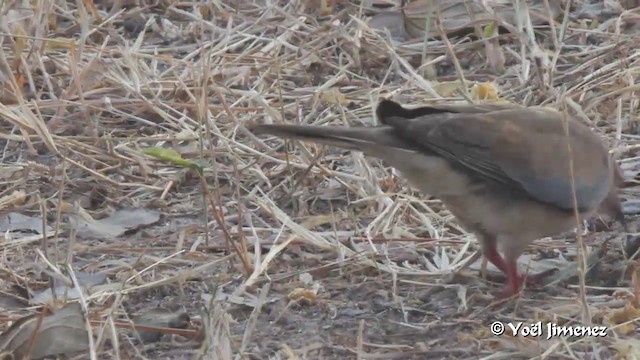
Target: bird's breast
<point x="509" y="216"/>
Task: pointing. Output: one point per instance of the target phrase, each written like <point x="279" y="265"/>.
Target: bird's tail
<point x="369" y="140"/>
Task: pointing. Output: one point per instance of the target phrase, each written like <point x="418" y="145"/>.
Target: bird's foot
<point x="514" y="285"/>
<point x="507" y="292"/>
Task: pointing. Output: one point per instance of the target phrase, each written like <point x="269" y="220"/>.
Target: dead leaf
<point x="59" y="43"/>
<point x="628" y="349"/>
<point x="493" y="50"/>
<point x="234" y="75"/>
<point x="334" y="96"/>
<point x="600" y="11"/>
<point x="121" y="222"/>
<point x="392" y="21"/>
<point x="17" y="223"/>
<point x="305" y="295"/>
<point x="318" y="220"/>
<point x="477" y="91"/>
<point x="36" y="336"/>
<point x="306" y="278"/>
<point x="484" y="91"/>
<point x="302" y="295"/>
<point x="17" y="22"/>
<point x="17" y="197"/>
<point x="325" y="8"/>
<point x="322" y="7"/>
<point x="63" y="289"/>
<point x="21" y="44"/>
<point x="247" y="299"/>
<point x="10" y="301"/>
<point x="621" y="316"/>
<point x="455" y="14"/>
<point x="448" y="89"/>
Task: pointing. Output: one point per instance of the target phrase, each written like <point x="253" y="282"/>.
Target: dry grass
<point x="289" y="251"/>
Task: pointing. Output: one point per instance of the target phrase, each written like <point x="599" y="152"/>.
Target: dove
<point x="509" y="174"/>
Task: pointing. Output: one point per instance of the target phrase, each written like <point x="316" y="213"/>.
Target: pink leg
<point x="510" y="269"/>
<point x="491" y="253"/>
<point x="514" y="281"/>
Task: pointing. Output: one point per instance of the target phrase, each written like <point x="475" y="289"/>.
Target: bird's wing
<point x="520" y="149"/>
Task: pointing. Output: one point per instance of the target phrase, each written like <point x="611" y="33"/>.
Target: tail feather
<point x="369" y="140"/>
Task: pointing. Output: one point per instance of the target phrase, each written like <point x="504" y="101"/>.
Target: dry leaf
<point x="628" y="349"/>
<point x="495" y="55"/>
<point x="10" y="301"/>
<point x="318" y="220"/>
<point x="21" y="224"/>
<point x="334" y="96"/>
<point x="493" y="50"/>
<point x="322" y="7"/>
<point x="247" y="299"/>
<point x="301" y="295"/>
<point x="121" y="222"/>
<point x="455" y="14"/>
<point x="17" y="197"/>
<point x="234" y="75"/>
<point x="325" y="8"/>
<point x="621" y="316"/>
<point x="21" y="44"/>
<point x="59" y="43"/>
<point x="17" y="22"/>
<point x="393" y="21"/>
<point x="64" y="291"/>
<point x="484" y="91"/>
<point x="63" y="332"/>
<point x="477" y="91"/>
<point x="448" y="89"/>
